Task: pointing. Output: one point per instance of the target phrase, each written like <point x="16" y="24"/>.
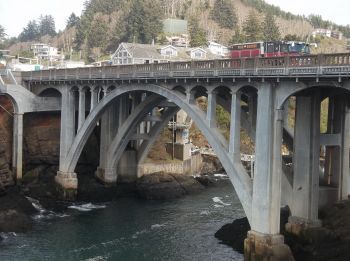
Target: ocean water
<point x="131" y="229"/>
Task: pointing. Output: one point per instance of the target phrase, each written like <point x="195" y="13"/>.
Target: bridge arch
<point x="242" y="183"/>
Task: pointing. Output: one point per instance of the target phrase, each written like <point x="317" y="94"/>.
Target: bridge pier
<point x="211" y="108"/>
<point x="337" y="159"/>
<point x="67" y="183"/>
<point x="306" y="161"/>
<point x="109" y="125"/>
<point x="17" y="150"/>
<point x="264" y="241"/>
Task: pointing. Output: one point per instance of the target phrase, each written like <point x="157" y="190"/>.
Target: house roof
<point x="149" y="51"/>
<point x="143" y="50"/>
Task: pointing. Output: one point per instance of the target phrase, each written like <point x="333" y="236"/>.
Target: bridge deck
<point x="332" y="65"/>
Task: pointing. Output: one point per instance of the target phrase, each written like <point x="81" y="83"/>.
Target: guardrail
<point x="325" y="64"/>
<point x="6" y="77"/>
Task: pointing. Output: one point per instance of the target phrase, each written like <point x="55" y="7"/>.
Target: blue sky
<point x="15" y="14"/>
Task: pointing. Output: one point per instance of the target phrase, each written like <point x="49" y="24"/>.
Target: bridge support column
<point x="94" y="97"/>
<point x="235" y="127"/>
<point x="211" y="109"/>
<point x="81" y="113"/>
<point x="306" y="162"/>
<point x="264" y="241"/>
<point x="67" y="183"/>
<point x="345" y="181"/>
<point x="337" y="157"/>
<point x="17" y="150"/>
<point x="109" y="125"/>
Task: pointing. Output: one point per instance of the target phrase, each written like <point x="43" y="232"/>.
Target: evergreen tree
<point x="143" y="22"/>
<point x="30" y="32"/>
<point x="47" y="25"/>
<point x="2" y="33"/>
<point x="252" y="28"/>
<point x="97" y="34"/>
<point x="224" y="14"/>
<point x="72" y="20"/>
<point x="197" y="34"/>
<point x="270" y="29"/>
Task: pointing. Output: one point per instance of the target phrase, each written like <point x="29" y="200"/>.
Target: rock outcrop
<point x="166" y="186"/>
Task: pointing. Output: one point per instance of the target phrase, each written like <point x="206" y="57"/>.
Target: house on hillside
<point x="217" y="49"/>
<point x="134" y="53"/>
<point x="168" y="51"/>
<point x="45" y="52"/>
<point x="328" y="33"/>
<point x="198" y="53"/>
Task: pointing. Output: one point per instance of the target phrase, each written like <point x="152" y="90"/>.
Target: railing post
<point x="216" y="68"/>
<point x="321" y="61"/>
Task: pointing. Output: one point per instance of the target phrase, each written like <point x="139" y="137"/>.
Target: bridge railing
<point x="269" y="66"/>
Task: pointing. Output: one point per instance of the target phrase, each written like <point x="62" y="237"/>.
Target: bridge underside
<point x="282" y="117"/>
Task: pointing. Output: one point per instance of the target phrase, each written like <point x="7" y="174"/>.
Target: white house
<point x="134" y="53"/>
<point x="45" y="52"/>
<point x="328" y="33"/>
<point x="217" y="49"/>
<point x="168" y="51"/>
<point x="198" y="53"/>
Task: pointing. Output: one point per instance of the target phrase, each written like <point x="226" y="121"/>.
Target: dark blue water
<point x="132" y="229"/>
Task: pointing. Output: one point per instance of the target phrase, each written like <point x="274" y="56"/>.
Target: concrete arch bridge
<point x="276" y="100"/>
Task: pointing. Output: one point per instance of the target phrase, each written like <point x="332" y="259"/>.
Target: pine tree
<point x="252" y="28"/>
<point x="197" y="34"/>
<point x="72" y="20"/>
<point x="224" y="13"/>
<point x="97" y="34"/>
<point x="143" y="22"/>
<point x="30" y="32"/>
<point x="270" y="28"/>
<point x="47" y="25"/>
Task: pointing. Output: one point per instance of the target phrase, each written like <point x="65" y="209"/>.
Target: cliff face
<point x="41" y="142"/>
<point x="6" y="123"/>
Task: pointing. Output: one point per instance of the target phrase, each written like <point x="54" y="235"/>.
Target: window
<point x="198" y="54"/>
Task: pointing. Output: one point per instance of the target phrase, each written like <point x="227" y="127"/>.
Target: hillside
<point x="105" y="23"/>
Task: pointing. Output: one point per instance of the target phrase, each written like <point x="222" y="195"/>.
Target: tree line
<point x="35" y="29"/>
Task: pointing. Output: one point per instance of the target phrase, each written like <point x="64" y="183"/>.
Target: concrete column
<point x="190" y="97"/>
<point x="345" y="181"/>
<point x="81" y="113"/>
<point x="264" y="242"/>
<point x="267" y="180"/>
<point x="235" y="125"/>
<point x="252" y="106"/>
<point x="337" y="158"/>
<point x="143" y="123"/>
<point x="17" y="150"/>
<point x="94" y="97"/>
<point x="306" y="162"/>
<point x="109" y="125"/>
<point x="211" y="109"/>
<point x="67" y="122"/>
<point x="67" y="182"/>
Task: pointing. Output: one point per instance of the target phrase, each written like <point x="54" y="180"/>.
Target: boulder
<point x="166" y="186"/>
